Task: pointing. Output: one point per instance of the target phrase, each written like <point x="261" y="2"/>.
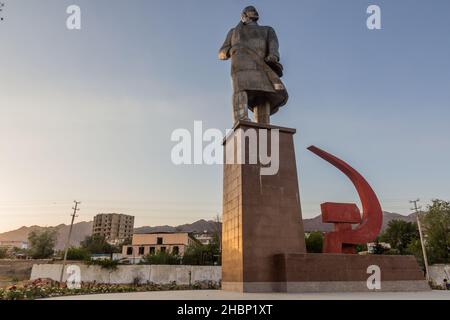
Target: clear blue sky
<point x="88" y="114"/>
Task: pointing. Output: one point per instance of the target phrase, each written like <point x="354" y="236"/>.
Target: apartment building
<point x="115" y="227"/>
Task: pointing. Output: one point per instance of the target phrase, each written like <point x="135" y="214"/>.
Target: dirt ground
<point x="13" y="271"/>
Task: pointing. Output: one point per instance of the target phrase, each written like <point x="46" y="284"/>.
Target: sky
<point x="88" y="114"/>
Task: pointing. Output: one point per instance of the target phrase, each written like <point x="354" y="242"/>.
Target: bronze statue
<point x="255" y="68"/>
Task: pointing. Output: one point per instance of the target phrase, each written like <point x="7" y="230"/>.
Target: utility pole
<point x="66" y="247"/>
<point x="422" y="241"/>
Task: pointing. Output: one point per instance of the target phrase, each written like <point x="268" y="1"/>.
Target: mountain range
<point x="83" y="229"/>
<point x="79" y="232"/>
<point x="198" y="226"/>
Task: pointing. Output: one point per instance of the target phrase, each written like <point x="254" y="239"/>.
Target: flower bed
<point x="44" y="288"/>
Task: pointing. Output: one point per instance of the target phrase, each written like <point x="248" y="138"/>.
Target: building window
<point x="176" y="250"/>
<point x="163" y="249"/>
<point x="159" y="240"/>
<point x="152" y="250"/>
<point x="129" y="251"/>
<point x="141" y="251"/>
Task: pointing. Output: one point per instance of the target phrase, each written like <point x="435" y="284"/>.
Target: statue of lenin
<point x="255" y="68"/>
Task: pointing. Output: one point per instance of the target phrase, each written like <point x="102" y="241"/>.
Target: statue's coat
<point x="248" y="46"/>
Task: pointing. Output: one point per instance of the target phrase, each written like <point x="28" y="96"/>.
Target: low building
<point x="107" y="256"/>
<point x="204" y="238"/>
<point x="114" y="227"/>
<point x="14" y="244"/>
<point x="151" y="243"/>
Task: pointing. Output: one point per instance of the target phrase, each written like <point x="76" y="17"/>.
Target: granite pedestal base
<point x="261" y="213"/>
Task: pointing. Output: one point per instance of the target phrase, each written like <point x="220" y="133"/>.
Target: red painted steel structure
<point x="344" y="238"/>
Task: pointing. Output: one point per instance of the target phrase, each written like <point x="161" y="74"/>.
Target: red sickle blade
<point x="372" y="216"/>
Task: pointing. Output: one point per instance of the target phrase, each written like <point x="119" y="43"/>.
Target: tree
<point x="200" y="254"/>
<point x="162" y="257"/>
<point x="314" y="242"/>
<point x="362" y="247"/>
<point x="217" y="238"/>
<point x="399" y="235"/>
<point x="193" y="255"/>
<point x="3" y="253"/>
<point x="98" y="245"/>
<point x="415" y="248"/>
<point x="42" y="243"/>
<point x="437" y="231"/>
<point x="78" y="254"/>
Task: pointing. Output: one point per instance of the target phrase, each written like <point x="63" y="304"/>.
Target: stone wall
<point x="159" y="274"/>
<point x="439" y="272"/>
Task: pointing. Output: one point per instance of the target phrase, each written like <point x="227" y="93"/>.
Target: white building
<point x="372" y="245"/>
<point x="14" y="244"/>
<point x="204" y="238"/>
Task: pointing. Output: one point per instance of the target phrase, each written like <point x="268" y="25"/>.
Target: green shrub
<point x="314" y="242"/>
<point x="78" y="254"/>
<point x="362" y="247"/>
<point x="3" y="253"/>
<point x="161" y="257"/>
<point x="104" y="263"/>
<point x="202" y="255"/>
<point x="98" y="245"/>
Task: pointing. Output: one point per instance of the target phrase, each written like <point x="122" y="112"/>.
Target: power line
<point x="422" y="241"/>
<point x="66" y="247"/>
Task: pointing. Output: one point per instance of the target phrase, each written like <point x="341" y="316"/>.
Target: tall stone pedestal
<point x="261" y="215"/>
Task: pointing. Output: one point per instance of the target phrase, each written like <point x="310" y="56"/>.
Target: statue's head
<point x="249" y="14"/>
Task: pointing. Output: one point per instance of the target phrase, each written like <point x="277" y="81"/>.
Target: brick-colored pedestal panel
<point x="347" y="272"/>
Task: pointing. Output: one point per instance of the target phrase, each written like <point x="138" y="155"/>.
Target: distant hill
<point x="316" y="224"/>
<point x="83" y="229"/>
<point x="198" y="226"/>
<point x="79" y="232"/>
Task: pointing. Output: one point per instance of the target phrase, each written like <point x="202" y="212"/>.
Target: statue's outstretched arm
<point x="224" y="52"/>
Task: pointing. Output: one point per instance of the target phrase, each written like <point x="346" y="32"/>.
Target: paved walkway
<point x="223" y="295"/>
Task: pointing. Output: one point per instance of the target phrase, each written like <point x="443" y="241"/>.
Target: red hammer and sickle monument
<point x="344" y="238"/>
